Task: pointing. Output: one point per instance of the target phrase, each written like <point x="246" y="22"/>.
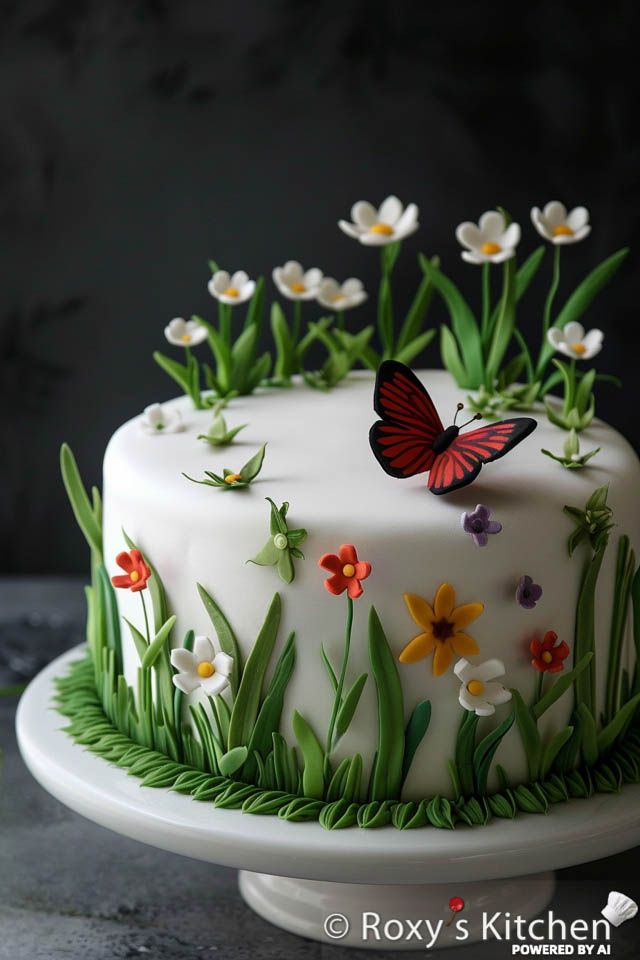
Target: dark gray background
<point x="139" y="139"/>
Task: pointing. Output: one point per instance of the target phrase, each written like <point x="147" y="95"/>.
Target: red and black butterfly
<point x="410" y="438"/>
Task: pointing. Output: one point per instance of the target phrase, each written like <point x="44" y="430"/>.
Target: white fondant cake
<point x="318" y="458"/>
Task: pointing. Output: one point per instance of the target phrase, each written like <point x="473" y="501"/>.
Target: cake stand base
<point x="391" y="916"/>
<point x="403" y="876"/>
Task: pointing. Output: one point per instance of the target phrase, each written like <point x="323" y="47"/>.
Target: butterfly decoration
<point x="410" y="437"/>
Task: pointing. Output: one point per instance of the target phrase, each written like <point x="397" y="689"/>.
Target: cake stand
<point x="331" y="885"/>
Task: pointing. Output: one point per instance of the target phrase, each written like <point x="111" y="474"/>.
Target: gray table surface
<point x="70" y="889"/>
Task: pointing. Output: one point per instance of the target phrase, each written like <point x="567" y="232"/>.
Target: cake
<point x="279" y="625"/>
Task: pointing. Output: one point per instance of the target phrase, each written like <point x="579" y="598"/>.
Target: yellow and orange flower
<point x="443" y="626"/>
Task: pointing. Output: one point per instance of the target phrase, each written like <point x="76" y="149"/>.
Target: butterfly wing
<point x="462" y="461"/>
<point x="402" y="440"/>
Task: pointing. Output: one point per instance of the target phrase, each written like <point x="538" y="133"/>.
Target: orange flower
<point x="136" y="571"/>
<point x="442" y="625"/>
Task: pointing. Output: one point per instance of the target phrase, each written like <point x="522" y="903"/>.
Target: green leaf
<point x="414" y="734"/>
<point x="154" y="649"/>
<point x="139" y="640"/>
<point x="286" y="358"/>
<point x="247" y="700"/>
<point x="231" y="762"/>
<point x="588" y="735"/>
<point x="252" y="467"/>
<point x="80" y="503"/>
<point x="552" y="750"/>
<point x="583" y="393"/>
<point x="608" y="736"/>
<point x="286" y="571"/>
<point x="415" y="347"/>
<point x="176" y="370"/>
<point x="226" y="636"/>
<point x="349" y="706"/>
<point x="268" y="556"/>
<point x="256" y="304"/>
<point x="451" y="358"/>
<point x="312" y="755"/>
<point x="413" y="323"/>
<point x="485" y="751"/>
<point x="503" y="331"/>
<point x="330" y="671"/>
<point x="625" y="567"/>
<point x="585" y="629"/>
<point x="529" y="734"/>
<point x="243" y="355"/>
<point x="528" y="270"/>
<point x="387" y="779"/>
<point x="561" y="685"/>
<point x="465" y="747"/>
<point x="463" y="323"/>
<point x="268" y="720"/>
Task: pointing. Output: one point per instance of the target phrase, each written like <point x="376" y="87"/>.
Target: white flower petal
<point x="555" y="336"/>
<point x="292" y="271"/>
<point x="238" y="279"/>
<point x="466" y="700"/>
<point x="468" y="235"/>
<point x="185" y="682"/>
<point x="554" y="213"/>
<point x="351" y="286"/>
<point x="364" y="214"/>
<point x="488" y="670"/>
<point x="581" y="233"/>
<point x="183" y="660"/>
<point x="496" y="693"/>
<point x="484" y="708"/>
<point x="223" y="663"/>
<point x="349" y="229"/>
<point x="203" y="649"/>
<point x="472" y="257"/>
<point x="312" y="277"/>
<point x="220" y="281"/>
<point x="329" y="288"/>
<point x="564" y="348"/>
<point x="511" y="236"/>
<point x="577" y="218"/>
<point x="378" y="239"/>
<point x="593" y="339"/>
<point x="390" y="211"/>
<point x="573" y="332"/>
<point x="502" y="255"/>
<point x="464" y="670"/>
<point x="153" y="413"/>
<point x="408" y="222"/>
<point x="214" y="684"/>
<point x="492" y="226"/>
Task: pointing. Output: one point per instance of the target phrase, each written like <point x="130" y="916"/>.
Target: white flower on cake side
<point x="184" y="333"/>
<point x="231" y="288"/>
<point x="377" y="227"/>
<point x="201" y="668"/>
<point x="490" y="240"/>
<point x="158" y="419"/>
<point x="296" y="283"/>
<point x="341" y="296"/>
<point x="558" y="226"/>
<point x="573" y="342"/>
<point x="479" y="691"/>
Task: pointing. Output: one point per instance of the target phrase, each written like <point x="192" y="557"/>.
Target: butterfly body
<point x="410" y="437"/>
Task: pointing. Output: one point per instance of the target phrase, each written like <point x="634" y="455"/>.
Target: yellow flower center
<point x="232" y="292"/>
<point x="578" y="348"/>
<point x="205" y="669"/>
<point x="338" y="297"/>
<point x="186" y="338"/>
<point x="134" y="576"/>
<point x="348" y="570"/>
<point x="547" y="657"/>
<point x="382" y="228"/>
<point x="475" y="688"/>
<point x="443" y="630"/>
<point x="489" y="248"/>
<point x="232" y="478"/>
<point x="297" y="287"/>
<point x="562" y="230"/>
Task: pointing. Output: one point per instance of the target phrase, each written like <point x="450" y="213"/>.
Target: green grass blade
<point x="158" y="643"/>
<point x="529" y="734"/>
<point x="387" y="781"/>
<point x="414" y="733"/>
<point x="312" y="755"/>
<point x="463" y="323"/>
<point x="79" y="500"/>
<point x="560" y="686"/>
<point x="247" y="700"/>
<point x="608" y="736"/>
<point x="226" y="636"/>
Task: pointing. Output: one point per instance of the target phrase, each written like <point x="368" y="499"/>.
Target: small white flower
<point x="574" y="342"/>
<point x="479" y="690"/>
<point x="376" y="228"/>
<point x="185" y="333"/>
<point x="341" y="296"/>
<point x="296" y="283"/>
<point x="490" y="240"/>
<point x="231" y="288"/>
<point x="157" y="419"/>
<point x="556" y="225"/>
<point x="201" y="668"/>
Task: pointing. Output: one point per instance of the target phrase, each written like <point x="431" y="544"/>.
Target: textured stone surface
<point x="70" y="890"/>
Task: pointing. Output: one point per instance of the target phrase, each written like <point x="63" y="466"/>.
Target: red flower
<point x="136" y="571"/>
<point x="548" y="654"/>
<point x="346" y="571"/>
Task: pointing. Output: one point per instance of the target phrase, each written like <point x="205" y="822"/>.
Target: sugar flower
<point x="559" y="227"/>
<point x="136" y="571"/>
<point x="490" y="240"/>
<point x="157" y="419"/>
<point x="201" y="668"/>
<point x="479" y="691"/>
<point x="442" y="629"/>
<point x="574" y="342"/>
<point x="346" y="571"/>
<point x="378" y="227"/>
<point x="548" y="654"/>
<point x="296" y="283"/>
<point x="478" y="523"/>
<point x="341" y="296"/>
<point x="231" y="288"/>
<point x="185" y="333"/>
<point x="528" y="593"/>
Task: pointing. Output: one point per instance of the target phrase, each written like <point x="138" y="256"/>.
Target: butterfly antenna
<point x="478" y="416"/>
<point x="459" y="407"/>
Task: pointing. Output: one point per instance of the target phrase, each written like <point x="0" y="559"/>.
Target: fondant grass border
<point x="90" y="727"/>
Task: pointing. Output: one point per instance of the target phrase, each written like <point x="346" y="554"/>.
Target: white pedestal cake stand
<point x="320" y="883"/>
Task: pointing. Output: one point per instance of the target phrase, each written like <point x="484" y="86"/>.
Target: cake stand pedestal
<point x="331" y="885"/>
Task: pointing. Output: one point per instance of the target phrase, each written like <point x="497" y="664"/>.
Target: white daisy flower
<point x="296" y="283"/>
<point x="341" y="296"/>
<point x="559" y="227"/>
<point x="157" y="419"/>
<point x="378" y="227"/>
<point x="201" y="668"/>
<point x="490" y="240"/>
<point x="231" y="288"/>
<point x="574" y="342"/>
<point x="185" y="333"/>
<point x="479" y="690"/>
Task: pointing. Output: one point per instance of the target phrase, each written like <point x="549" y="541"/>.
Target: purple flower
<point x="479" y="525"/>
<point x="528" y="593"/>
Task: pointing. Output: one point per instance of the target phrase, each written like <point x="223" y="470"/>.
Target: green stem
<point x="224" y="322"/>
<point x="343" y="673"/>
<point x="539" y="684"/>
<point x="146" y="618"/>
<point x="553" y="289"/>
<point x="340" y="319"/>
<point x="569" y="399"/>
<point x="297" y="320"/>
<point x="486" y="302"/>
